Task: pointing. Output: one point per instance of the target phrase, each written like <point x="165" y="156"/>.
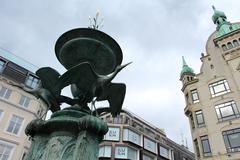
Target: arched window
<point x="230" y="46"/>
<point x="224" y="47"/>
<point x="235" y="43"/>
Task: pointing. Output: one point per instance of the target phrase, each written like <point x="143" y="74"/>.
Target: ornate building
<point x="17" y="107"/>
<point x="130" y="137"/>
<point x="213" y="95"/>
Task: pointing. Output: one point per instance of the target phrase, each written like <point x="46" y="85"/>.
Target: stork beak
<point x="122" y="66"/>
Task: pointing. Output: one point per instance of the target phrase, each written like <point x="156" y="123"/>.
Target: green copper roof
<point x="223" y="26"/>
<point x="185" y="68"/>
<point x="19" y="61"/>
<point x="217" y="14"/>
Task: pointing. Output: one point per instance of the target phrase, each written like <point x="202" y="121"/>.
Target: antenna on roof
<point x="186" y="142"/>
<point x="182" y="139"/>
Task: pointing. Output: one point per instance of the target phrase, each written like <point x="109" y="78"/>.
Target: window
<point x="149" y="145"/>
<point x="196" y="147"/>
<point x="105" y="151"/>
<point x="5" y="150"/>
<point x="235" y="43"/>
<point x="32" y="81"/>
<point x="219" y="88"/>
<point x="205" y="146"/>
<point x="5" y="92"/>
<point x="191" y="120"/>
<point x="112" y="134"/>
<point x="14" y="124"/>
<point x="230" y="46"/>
<point x="123" y="152"/>
<point x="186" y="98"/>
<point x="2" y="65"/>
<point x="164" y="152"/>
<point x="24" y="101"/>
<point x="145" y="157"/>
<point x="200" y="119"/>
<point x="118" y="119"/>
<point x="226" y="111"/>
<point x="131" y="136"/>
<point x="194" y="94"/>
<point x="224" y="47"/>
<point x="232" y="140"/>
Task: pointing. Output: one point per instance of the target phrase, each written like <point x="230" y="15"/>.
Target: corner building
<point x="17" y="107"/>
<point x="132" y="138"/>
<point x="213" y="95"/>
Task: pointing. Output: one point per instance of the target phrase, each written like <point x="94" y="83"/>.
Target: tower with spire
<point x="187" y="74"/>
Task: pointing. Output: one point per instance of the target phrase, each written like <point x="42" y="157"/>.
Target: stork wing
<point x="114" y="93"/>
<point x="82" y="75"/>
<point x="48" y="77"/>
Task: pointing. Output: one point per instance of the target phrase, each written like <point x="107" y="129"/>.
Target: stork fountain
<point x="92" y="59"/>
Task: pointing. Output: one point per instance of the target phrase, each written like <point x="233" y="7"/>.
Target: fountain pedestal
<point x="70" y="134"/>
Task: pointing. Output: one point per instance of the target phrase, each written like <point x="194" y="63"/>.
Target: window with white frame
<point x="205" y="146"/>
<point x="145" y="157"/>
<point x="195" y="97"/>
<point x="124" y="152"/>
<point x="32" y="81"/>
<point x="5" y="150"/>
<point x="24" y="101"/>
<point x="105" y="151"/>
<point x="219" y="88"/>
<point x="2" y="65"/>
<point x="131" y="136"/>
<point x="149" y="145"/>
<point x="5" y="92"/>
<point x="199" y="118"/>
<point x="164" y="152"/>
<point x="15" y="124"/>
<point x="227" y="110"/>
<point x="232" y="140"/>
<point x="112" y="134"/>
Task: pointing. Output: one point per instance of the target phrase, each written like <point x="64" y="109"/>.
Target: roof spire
<point x="185" y="68"/>
<point x="183" y="61"/>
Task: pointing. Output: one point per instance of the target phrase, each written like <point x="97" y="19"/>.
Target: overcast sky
<point x="154" y="34"/>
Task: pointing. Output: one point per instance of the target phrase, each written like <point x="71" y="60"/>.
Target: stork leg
<point x="93" y="106"/>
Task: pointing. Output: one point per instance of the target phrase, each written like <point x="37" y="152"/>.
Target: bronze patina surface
<point x="92" y="59"/>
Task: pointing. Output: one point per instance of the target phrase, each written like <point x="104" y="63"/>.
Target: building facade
<point x="213" y="96"/>
<point x="17" y="107"/>
<point x="131" y="138"/>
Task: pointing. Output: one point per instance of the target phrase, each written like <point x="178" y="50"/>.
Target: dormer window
<point x="224" y="47"/>
<point x="235" y="43"/>
<point x="230" y="46"/>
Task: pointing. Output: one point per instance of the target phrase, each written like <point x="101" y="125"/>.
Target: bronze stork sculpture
<point x="92" y="59"/>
